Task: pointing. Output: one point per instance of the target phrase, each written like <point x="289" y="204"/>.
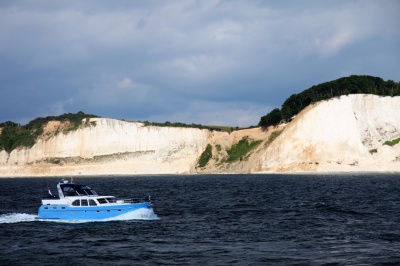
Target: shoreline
<point x="337" y="173"/>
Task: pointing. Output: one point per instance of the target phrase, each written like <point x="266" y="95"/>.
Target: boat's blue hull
<point x="53" y="212"/>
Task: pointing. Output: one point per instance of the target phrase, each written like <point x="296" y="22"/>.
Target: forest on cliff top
<point x="324" y="91"/>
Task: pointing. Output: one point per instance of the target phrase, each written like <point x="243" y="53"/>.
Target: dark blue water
<point x="214" y="220"/>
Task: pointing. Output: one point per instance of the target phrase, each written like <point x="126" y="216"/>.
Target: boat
<point x="80" y="202"/>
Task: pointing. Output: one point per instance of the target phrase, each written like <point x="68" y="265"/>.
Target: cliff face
<point x="109" y="146"/>
<point x="341" y="134"/>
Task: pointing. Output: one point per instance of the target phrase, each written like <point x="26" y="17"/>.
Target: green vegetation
<point x="223" y="128"/>
<point x="74" y="119"/>
<point x="273" y="118"/>
<point x="199" y="126"/>
<point x="169" y="124"/>
<point x="272" y="137"/>
<point x="392" y="142"/>
<point x="240" y="149"/>
<point x="205" y="156"/>
<point x="14" y="135"/>
<point x="343" y="86"/>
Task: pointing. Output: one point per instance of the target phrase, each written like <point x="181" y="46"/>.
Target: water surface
<point x="213" y="220"/>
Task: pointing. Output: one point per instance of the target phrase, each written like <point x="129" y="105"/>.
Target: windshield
<point x="77" y="190"/>
<point x="85" y="190"/>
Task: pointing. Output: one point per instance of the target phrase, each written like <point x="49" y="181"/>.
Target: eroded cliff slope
<point x="340" y="134"/>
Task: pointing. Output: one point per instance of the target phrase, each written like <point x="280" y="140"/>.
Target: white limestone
<point x="337" y="132"/>
<point x="147" y="149"/>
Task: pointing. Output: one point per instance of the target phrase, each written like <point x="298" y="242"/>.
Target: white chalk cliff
<point x="109" y="146"/>
<point x="340" y="134"/>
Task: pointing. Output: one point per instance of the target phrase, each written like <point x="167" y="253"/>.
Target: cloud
<point x="127" y="83"/>
<point x="214" y="113"/>
<point x="58" y="108"/>
<point x="149" y="59"/>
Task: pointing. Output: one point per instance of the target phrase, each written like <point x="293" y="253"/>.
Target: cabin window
<point x="84" y="202"/>
<point x="111" y="200"/>
<point x="92" y="203"/>
<point x="76" y="203"/>
<point x="102" y="200"/>
<point x="69" y="191"/>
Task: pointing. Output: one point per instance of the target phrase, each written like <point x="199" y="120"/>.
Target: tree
<point x="342" y="86"/>
<point x="273" y="118"/>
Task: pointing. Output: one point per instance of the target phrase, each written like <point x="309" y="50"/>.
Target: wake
<point x="11" y="218"/>
<point x="140" y="214"/>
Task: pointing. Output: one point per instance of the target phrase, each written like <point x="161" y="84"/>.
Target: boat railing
<point x="136" y="200"/>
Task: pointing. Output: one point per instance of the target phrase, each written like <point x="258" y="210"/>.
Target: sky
<point x="210" y="62"/>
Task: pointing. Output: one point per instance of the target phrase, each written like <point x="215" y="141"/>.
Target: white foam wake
<point x="10" y="218"/>
<point x="140" y="214"/>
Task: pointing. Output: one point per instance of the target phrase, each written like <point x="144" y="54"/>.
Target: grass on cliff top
<point x="224" y="128"/>
<point x="200" y="126"/>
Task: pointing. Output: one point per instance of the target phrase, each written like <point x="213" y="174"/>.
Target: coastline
<point x="300" y="173"/>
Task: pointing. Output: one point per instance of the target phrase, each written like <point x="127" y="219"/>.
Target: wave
<point x="339" y="209"/>
<point x="140" y="214"/>
<point x="11" y="218"/>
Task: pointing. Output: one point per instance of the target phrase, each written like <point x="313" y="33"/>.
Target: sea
<point x="257" y="219"/>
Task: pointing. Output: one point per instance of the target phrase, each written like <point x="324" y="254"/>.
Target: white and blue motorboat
<point x="80" y="202"/>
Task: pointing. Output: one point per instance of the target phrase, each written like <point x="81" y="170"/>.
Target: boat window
<point x="111" y="200"/>
<point x="92" y="203"/>
<point x="85" y="190"/>
<point x="84" y="202"/>
<point x="69" y="191"/>
<point x="102" y="200"/>
<point x="76" y="203"/>
<point x="77" y="190"/>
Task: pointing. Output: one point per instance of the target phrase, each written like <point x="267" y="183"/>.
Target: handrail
<point x="137" y="200"/>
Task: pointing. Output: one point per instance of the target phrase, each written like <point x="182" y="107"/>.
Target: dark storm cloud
<point x="209" y="62"/>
